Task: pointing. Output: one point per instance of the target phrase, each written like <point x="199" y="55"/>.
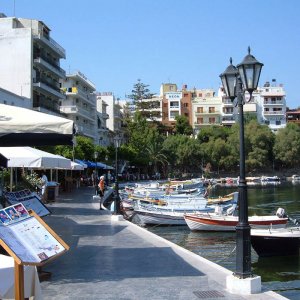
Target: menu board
<point x="29" y="239"/>
<point x="30" y="200"/>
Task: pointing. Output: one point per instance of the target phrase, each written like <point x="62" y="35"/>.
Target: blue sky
<point x="115" y="42"/>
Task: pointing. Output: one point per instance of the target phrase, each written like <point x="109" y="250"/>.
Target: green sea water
<point x="280" y="274"/>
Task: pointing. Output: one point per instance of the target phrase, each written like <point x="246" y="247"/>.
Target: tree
<point x="287" y="145"/>
<point x="156" y="155"/>
<point x="183" y="153"/>
<point x="182" y="125"/>
<point x="260" y="142"/>
<point x="142" y="99"/>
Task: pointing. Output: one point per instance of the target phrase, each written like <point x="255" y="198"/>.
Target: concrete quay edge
<point x="213" y="270"/>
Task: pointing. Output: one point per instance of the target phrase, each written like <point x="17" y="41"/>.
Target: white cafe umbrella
<point x="25" y="127"/>
<point x="33" y="158"/>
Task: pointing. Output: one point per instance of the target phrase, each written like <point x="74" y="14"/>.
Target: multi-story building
<point x="9" y="98"/>
<point x="102" y="117"/>
<point x="206" y="109"/>
<point x="175" y="103"/>
<point x="293" y="116"/>
<point x="80" y="103"/>
<point x="30" y="63"/>
<point x="271" y="105"/>
<point x="115" y="121"/>
<point x="228" y="115"/>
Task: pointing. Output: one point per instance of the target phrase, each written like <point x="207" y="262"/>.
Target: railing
<point x="47" y="82"/>
<point x="83" y="94"/>
<point x="47" y="60"/>
<point x="274" y="113"/>
<point x="277" y="102"/>
<point x="49" y="40"/>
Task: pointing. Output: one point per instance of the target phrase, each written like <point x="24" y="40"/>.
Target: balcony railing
<point x="51" y="43"/>
<point x="48" y="62"/>
<point x="45" y="85"/>
<point x="274" y="113"/>
<point x="277" y="102"/>
<point x="82" y="94"/>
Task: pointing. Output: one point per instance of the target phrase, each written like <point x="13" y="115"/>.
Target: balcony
<point x="227" y="103"/>
<point x="271" y="103"/>
<point x="274" y="113"/>
<point x="86" y="130"/>
<point x="46" y="64"/>
<point x="47" y="86"/>
<point x="49" y="42"/>
<point x="216" y="112"/>
<point x="75" y="91"/>
<point x="273" y="93"/>
<point x="76" y="110"/>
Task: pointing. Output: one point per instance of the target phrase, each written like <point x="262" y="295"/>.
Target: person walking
<point x="101" y="189"/>
<point x="44" y="180"/>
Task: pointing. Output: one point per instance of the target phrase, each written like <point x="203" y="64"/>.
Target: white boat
<point x="295" y="177"/>
<point x="218" y="221"/>
<point x="269" y="178"/>
<point x="276" y="241"/>
<point x="163" y="216"/>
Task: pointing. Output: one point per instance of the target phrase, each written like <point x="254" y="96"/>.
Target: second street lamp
<point x="96" y="175"/>
<point x="117" y="141"/>
<point x="236" y="81"/>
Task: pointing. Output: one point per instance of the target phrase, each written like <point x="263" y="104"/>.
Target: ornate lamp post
<point x="236" y="81"/>
<point x="117" y="142"/>
<point x="96" y="175"/>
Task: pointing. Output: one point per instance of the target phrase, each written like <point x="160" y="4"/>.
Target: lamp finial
<point x="249" y="50"/>
<point x="230" y="60"/>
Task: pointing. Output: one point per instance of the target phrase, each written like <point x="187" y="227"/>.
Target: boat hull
<point x="228" y="223"/>
<point x="152" y="218"/>
<point x="277" y="242"/>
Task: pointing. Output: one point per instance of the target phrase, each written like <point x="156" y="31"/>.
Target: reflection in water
<point x="278" y="274"/>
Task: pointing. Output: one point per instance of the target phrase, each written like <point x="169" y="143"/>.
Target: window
<point x="185" y="105"/>
<point x="211" y="109"/>
<point x="199" y="120"/>
<point x="186" y="114"/>
<point x="212" y="120"/>
<point x="185" y="95"/>
<point x="200" y="95"/>
<point x="278" y="122"/>
<point x="200" y="110"/>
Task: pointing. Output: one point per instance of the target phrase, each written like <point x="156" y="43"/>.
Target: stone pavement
<point x="119" y="260"/>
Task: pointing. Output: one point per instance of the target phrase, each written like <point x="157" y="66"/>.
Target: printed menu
<point x="28" y="238"/>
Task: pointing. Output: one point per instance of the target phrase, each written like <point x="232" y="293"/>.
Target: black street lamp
<point x="117" y="142"/>
<point x="96" y="175"/>
<point x="236" y="81"/>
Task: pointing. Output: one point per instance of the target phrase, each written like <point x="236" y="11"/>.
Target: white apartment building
<point x="80" y="103"/>
<point x="30" y="63"/>
<point x="206" y="108"/>
<point x="113" y="109"/>
<point x="173" y="104"/>
<point x="272" y="105"/>
<point x="102" y="117"/>
<point x="9" y="98"/>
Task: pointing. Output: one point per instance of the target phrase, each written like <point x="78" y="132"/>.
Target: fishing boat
<point x="221" y="199"/>
<point x="276" y="241"/>
<point x="166" y="216"/>
<point x="226" y="221"/>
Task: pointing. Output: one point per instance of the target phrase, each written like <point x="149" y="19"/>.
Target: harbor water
<point x="280" y="274"/>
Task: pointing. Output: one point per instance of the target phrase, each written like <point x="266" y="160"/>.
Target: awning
<point x="91" y="164"/>
<point x="33" y="158"/>
<point x="25" y="127"/>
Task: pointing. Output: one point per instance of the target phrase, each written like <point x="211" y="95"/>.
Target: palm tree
<point x="156" y="156"/>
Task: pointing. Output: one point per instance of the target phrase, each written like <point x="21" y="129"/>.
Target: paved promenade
<point x="119" y="260"/>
